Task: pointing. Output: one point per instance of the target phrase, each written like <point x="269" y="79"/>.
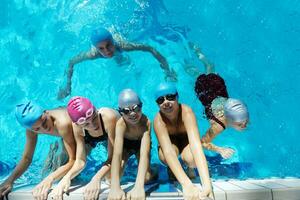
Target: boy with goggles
<point x="90" y="127"/>
<point x="177" y="132"/>
<point x="132" y="137"/>
<point x="127" y="110"/>
<point x="38" y="121"/>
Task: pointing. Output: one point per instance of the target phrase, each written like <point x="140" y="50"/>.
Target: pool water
<point x="253" y="44"/>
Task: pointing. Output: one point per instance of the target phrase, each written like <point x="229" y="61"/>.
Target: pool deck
<point x="251" y="189"/>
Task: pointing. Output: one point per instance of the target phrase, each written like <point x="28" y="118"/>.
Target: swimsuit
<point x="132" y="146"/>
<point x="180" y="140"/>
<point x="93" y="141"/>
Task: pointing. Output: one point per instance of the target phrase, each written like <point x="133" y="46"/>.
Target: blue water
<point x="254" y="45"/>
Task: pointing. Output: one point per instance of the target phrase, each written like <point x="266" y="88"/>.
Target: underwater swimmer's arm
<point x="141" y="47"/>
<point x="215" y="130"/>
<point x="159" y="57"/>
<point x="211" y="133"/>
<point x="31" y="140"/>
<point x="89" y="55"/>
<point x="209" y="67"/>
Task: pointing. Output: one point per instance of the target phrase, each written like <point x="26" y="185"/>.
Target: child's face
<point x="168" y="103"/>
<point x="106" y="48"/>
<point x="44" y="124"/>
<point x="240" y="126"/>
<point x="132" y="114"/>
<point x="92" y="122"/>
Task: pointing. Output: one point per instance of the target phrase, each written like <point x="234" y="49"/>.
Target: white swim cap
<point x="235" y="110"/>
<point x="128" y="97"/>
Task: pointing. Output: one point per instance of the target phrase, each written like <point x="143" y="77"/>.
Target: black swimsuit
<point x="132" y="146"/>
<point x="93" y="141"/>
<point x="180" y="141"/>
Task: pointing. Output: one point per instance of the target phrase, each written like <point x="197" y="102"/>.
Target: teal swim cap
<point x="128" y="97"/>
<point x="235" y="110"/>
<point x="165" y="88"/>
<point x="99" y="35"/>
<point x="28" y="113"/>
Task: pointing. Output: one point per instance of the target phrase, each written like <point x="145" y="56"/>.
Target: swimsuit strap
<point x="211" y="116"/>
<point x="102" y="125"/>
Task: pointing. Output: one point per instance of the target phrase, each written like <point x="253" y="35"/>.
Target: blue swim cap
<point x="28" y="113"/>
<point x="128" y="97"/>
<point x="99" y="35"/>
<point x="165" y="88"/>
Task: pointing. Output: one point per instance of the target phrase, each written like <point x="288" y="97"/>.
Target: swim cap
<point x="235" y="110"/>
<point x="165" y="88"/>
<point x="128" y="97"/>
<point x="78" y="106"/>
<point x="28" y="113"/>
<point x="99" y="35"/>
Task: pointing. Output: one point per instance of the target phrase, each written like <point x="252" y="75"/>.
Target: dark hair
<point x="207" y="88"/>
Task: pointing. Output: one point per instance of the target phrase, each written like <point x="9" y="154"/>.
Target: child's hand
<point x="137" y="193"/>
<point x="226" y="152"/>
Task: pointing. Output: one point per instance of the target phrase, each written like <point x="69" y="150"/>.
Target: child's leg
<point x="188" y="159"/>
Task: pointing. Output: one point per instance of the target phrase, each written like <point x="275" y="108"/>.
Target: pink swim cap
<point x="78" y="107"/>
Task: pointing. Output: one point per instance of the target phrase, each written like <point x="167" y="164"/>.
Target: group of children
<point x="127" y="131"/>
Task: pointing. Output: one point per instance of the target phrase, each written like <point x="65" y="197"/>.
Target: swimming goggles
<point x="169" y="97"/>
<point x="135" y="108"/>
<point x="88" y="114"/>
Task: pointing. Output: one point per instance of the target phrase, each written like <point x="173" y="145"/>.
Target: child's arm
<point x="191" y="126"/>
<point x="31" y="140"/>
<point x="89" y="55"/>
<point x="138" y="192"/>
<point x="207" y="139"/>
<point x="159" y="57"/>
<point x="209" y="66"/>
<point x="115" y="190"/>
<point x="78" y="166"/>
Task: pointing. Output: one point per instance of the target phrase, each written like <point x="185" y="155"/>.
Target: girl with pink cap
<point x="90" y="126"/>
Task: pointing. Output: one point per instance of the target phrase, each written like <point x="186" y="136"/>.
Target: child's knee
<point x="188" y="158"/>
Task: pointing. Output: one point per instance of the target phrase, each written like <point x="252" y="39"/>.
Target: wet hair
<point x="209" y="87"/>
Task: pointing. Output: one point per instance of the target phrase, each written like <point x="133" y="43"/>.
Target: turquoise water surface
<point x="254" y="45"/>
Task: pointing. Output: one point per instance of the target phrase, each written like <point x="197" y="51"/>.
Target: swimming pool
<point x="254" y="45"/>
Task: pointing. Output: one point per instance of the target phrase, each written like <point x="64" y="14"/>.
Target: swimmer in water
<point x="220" y="110"/>
<point x="105" y="46"/>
